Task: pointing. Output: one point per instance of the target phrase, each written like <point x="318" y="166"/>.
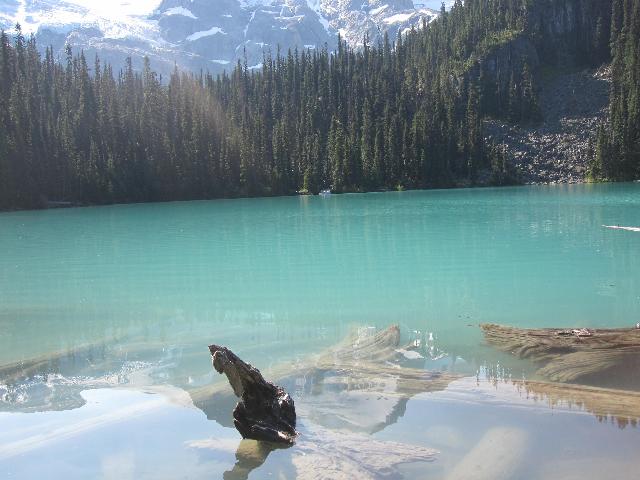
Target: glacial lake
<point x="106" y="314"/>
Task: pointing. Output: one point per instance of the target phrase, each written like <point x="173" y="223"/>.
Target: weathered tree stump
<point x="265" y="411"/>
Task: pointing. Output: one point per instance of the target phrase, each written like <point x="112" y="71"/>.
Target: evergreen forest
<point x="618" y="152"/>
<point x="391" y="115"/>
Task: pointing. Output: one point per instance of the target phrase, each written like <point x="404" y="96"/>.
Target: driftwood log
<point x="579" y="355"/>
<point x="265" y="411"/>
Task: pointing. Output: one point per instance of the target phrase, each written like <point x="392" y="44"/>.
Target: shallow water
<point x="94" y="300"/>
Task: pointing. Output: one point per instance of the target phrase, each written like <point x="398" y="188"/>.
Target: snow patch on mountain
<point x="255" y="3"/>
<point x="206" y="33"/>
<point x="398" y="18"/>
<point x="433" y="4"/>
<point x="376" y="11"/>
<point x="180" y="11"/>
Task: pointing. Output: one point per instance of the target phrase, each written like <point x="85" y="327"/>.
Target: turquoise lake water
<point x="132" y="295"/>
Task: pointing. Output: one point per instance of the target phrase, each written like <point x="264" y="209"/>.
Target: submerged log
<point x="363" y="348"/>
<point x="570" y="355"/>
<point x="361" y="384"/>
<point x="338" y="455"/>
<point x="498" y="454"/>
<point x="265" y="411"/>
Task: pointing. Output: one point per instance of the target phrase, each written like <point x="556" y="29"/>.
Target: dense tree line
<point x="392" y="115"/>
<point x="618" y="152"/>
<point x="68" y="135"/>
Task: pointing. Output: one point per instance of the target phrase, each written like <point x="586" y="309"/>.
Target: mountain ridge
<point x="208" y="35"/>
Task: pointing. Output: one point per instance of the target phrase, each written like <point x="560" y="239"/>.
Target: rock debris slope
<point x="559" y="148"/>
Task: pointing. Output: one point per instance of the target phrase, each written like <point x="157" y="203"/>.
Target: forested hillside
<point x="618" y="156"/>
<point x="401" y="115"/>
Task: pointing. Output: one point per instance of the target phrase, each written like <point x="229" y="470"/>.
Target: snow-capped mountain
<point x="208" y="34"/>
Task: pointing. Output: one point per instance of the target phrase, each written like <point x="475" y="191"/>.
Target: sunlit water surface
<point x="106" y="314"/>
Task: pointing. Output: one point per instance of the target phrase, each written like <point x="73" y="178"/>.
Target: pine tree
<point x="336" y="151"/>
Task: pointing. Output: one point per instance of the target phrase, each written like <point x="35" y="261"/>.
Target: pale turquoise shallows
<point x="302" y="269"/>
<point x="139" y="291"/>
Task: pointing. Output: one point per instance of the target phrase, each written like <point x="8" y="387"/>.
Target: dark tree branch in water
<point x="265" y="411"/>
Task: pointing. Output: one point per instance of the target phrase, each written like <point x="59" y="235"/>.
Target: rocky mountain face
<point x="208" y="34"/>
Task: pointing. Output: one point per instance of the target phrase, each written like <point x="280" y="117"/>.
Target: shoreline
<point x="461" y="186"/>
